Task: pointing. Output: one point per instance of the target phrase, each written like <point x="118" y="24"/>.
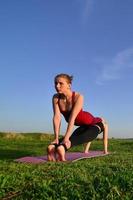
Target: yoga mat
<point x="70" y="156"/>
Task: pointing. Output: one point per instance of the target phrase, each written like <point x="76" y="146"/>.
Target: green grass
<point x="103" y="178"/>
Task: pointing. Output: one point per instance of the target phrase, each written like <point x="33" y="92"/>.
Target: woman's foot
<point x="61" y="153"/>
<point x="51" y="153"/>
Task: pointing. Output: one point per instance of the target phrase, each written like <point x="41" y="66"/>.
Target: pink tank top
<point x="83" y="117"/>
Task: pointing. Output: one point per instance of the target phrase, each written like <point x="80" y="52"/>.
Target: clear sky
<point x="89" y="39"/>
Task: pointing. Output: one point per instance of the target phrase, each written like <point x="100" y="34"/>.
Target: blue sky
<point x="89" y="39"/>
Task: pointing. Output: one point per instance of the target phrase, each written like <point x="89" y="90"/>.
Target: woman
<point x="69" y="104"/>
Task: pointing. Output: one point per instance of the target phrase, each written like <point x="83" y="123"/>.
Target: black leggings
<point x="84" y="134"/>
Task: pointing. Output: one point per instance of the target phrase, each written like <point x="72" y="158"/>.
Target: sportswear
<point x="83" y="117"/>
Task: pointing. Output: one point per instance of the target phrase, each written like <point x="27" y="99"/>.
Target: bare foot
<point x="86" y="151"/>
<point x="51" y="153"/>
<point x="106" y="152"/>
<point x="61" y="153"/>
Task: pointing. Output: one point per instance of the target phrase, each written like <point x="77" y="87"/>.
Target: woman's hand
<point x="67" y="142"/>
<point x="56" y="141"/>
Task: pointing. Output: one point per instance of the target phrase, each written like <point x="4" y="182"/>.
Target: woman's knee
<point x="51" y="148"/>
<point x="60" y="149"/>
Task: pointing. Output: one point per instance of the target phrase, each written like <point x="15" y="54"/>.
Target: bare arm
<point x="56" y="118"/>
<point x="76" y="109"/>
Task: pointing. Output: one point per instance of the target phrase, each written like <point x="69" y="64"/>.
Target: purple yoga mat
<point x="70" y="156"/>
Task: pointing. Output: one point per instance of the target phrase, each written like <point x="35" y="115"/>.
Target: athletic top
<point x="83" y="117"/>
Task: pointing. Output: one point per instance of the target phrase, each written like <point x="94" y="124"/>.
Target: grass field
<point x="109" y="177"/>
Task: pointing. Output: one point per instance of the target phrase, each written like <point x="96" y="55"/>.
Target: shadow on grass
<point x="11" y="154"/>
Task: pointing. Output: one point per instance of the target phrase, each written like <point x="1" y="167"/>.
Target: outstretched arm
<point x="56" y="119"/>
<point x="51" y="150"/>
<point x="76" y="109"/>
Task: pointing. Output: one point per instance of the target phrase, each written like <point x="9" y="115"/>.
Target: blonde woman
<point x="69" y="104"/>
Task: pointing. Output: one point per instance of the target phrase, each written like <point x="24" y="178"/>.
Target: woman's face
<point x="62" y="85"/>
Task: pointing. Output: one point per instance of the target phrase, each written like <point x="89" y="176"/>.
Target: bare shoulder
<point x="55" y="98"/>
<point x="78" y="95"/>
<point x="56" y="95"/>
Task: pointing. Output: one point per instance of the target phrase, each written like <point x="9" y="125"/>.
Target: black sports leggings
<point x="85" y="134"/>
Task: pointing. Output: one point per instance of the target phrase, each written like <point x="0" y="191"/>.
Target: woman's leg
<point x="51" y="152"/>
<point x="84" y="134"/>
<point x="61" y="152"/>
<point x="81" y="135"/>
<point x="105" y="136"/>
<point x="87" y="147"/>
